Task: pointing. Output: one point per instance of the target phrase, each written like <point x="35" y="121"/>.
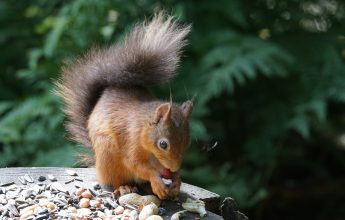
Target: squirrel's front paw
<point x="159" y="188"/>
<point x="175" y="187"/>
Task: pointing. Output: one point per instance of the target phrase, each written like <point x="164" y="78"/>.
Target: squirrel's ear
<point x="162" y="111"/>
<point x="187" y="108"/>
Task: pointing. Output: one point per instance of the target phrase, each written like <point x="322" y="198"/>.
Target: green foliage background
<point x="269" y="80"/>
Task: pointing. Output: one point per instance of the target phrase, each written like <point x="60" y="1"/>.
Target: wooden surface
<point x="88" y="176"/>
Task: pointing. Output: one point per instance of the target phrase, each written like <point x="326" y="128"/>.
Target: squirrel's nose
<point x="175" y="169"/>
<point x="175" y="166"/>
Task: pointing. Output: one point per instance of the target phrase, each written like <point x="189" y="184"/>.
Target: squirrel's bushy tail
<point x="149" y="55"/>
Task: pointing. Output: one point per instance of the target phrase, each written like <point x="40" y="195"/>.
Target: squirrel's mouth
<point x="166" y="173"/>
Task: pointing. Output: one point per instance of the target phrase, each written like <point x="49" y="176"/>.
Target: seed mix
<point x="41" y="199"/>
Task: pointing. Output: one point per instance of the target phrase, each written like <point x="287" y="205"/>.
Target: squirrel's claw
<point x="125" y="189"/>
<point x="159" y="188"/>
<point x="174" y="189"/>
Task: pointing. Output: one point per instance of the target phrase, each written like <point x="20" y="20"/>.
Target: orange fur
<point x="122" y="129"/>
<point x="134" y="136"/>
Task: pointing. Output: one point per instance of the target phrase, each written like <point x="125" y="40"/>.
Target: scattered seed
<point x="80" y="191"/>
<point x="22" y="180"/>
<point x="100" y="214"/>
<point x="167" y="182"/>
<point x="162" y="211"/>
<point x="51" y="206"/>
<point x="133" y="215"/>
<point x="23" y="206"/>
<point x="3" y="201"/>
<point x="41" y="178"/>
<point x="7" y="184"/>
<point x="111" y="203"/>
<point x="12" y="187"/>
<point x="20" y="200"/>
<point x="94" y="193"/>
<point x="79" y="179"/>
<point x="84" y="203"/>
<point x="69" y="181"/>
<point x="43" y="211"/>
<point x="42" y="217"/>
<point x="28" y="178"/>
<point x="95" y="203"/>
<point x="52" y="178"/>
<point x="5" y="213"/>
<point x="96" y="186"/>
<point x="86" y="194"/>
<point x="178" y="215"/>
<point x="71" y="172"/>
<point x="26" y="209"/>
<point x="72" y="209"/>
<point x="105" y="194"/>
<point x="52" y="200"/>
<point x="154" y="217"/>
<point x="108" y="212"/>
<point x="147" y="211"/>
<point x="27" y="214"/>
<point x="12" y="208"/>
<point x="84" y="211"/>
<point x="26" y="193"/>
<point x="77" y="185"/>
<point x="58" y="186"/>
<point x="119" y="210"/>
<point x="11" y="202"/>
<point x="133" y="207"/>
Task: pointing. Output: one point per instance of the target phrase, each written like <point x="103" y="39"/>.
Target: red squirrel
<point x="135" y="137"/>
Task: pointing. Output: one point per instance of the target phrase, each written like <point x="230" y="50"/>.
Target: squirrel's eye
<point x="163" y="144"/>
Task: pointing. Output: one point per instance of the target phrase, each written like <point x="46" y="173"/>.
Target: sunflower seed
<point x="79" y="179"/>
<point x="28" y="208"/>
<point x="93" y="193"/>
<point x="78" y="185"/>
<point x="23" y="206"/>
<point x="111" y="203"/>
<point x="167" y="182"/>
<point x="11" y="194"/>
<point x="52" y="177"/>
<point x="43" y="211"/>
<point x="13" y="210"/>
<point x="28" y="178"/>
<point x="42" y="217"/>
<point x="58" y="186"/>
<point x="7" y="184"/>
<point x="12" y="187"/>
<point x="71" y="172"/>
<point x="5" y="213"/>
<point x="20" y="200"/>
<point x="26" y="193"/>
<point x="22" y="180"/>
<point x="69" y="181"/>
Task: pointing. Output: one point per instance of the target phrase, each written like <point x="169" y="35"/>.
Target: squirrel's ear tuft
<point x="187" y="108"/>
<point x="163" y="111"/>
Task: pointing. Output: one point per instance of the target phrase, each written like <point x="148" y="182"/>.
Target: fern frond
<point x="238" y="60"/>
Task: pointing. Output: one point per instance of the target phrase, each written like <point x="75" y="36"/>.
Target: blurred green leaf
<point x="53" y="37"/>
<point x="268" y="77"/>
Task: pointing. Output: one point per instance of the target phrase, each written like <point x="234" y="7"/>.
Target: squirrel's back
<point x="149" y="55"/>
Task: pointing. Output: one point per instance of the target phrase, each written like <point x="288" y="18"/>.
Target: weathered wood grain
<point x="88" y="176"/>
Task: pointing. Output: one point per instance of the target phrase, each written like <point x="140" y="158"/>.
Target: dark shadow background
<point x="269" y="80"/>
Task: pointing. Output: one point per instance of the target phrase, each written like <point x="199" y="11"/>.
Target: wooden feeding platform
<point x="86" y="177"/>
